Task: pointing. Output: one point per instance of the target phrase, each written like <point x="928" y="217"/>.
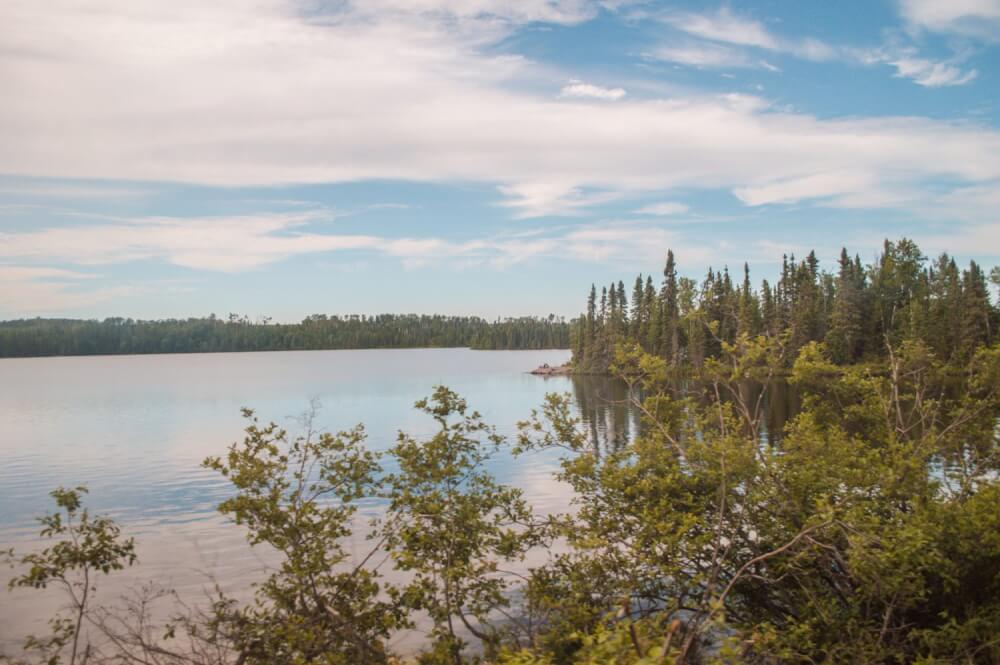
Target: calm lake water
<point x="135" y="429"/>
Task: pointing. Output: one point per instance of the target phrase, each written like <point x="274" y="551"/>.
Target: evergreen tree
<point x="845" y="333"/>
<point x="669" y="315"/>
<point x="855" y="311"/>
<point x="638" y="318"/>
<point x="749" y="312"/>
<point x="976" y="329"/>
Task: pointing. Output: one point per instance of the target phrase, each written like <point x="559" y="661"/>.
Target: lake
<point x="135" y="429"/>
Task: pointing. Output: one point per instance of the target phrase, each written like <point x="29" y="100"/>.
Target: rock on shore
<point x="548" y="370"/>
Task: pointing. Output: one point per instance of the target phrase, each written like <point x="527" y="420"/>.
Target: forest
<point x="855" y="311"/>
<point x="867" y="532"/>
<point x="69" y="337"/>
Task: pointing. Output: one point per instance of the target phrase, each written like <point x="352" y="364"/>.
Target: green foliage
<point x="866" y="535"/>
<point x="451" y="525"/>
<point x="867" y="531"/>
<point x="856" y="311"/>
<point x="49" y="337"/>
<point x="87" y="547"/>
<point x="298" y="496"/>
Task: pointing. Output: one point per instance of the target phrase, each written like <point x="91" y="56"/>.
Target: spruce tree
<point x="976" y="329"/>
<point x="651" y="318"/>
<point x="669" y="316"/>
<point x="638" y="313"/>
<point x="845" y="331"/>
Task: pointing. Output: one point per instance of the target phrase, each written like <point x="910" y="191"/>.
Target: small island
<point x="548" y="370"/>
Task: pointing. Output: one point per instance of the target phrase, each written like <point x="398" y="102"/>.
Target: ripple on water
<point x="135" y="430"/>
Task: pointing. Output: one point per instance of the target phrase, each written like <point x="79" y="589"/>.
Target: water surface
<point x="135" y="429"/>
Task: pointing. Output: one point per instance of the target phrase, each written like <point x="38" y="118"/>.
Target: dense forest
<point x="855" y="310"/>
<point x="69" y="337"/>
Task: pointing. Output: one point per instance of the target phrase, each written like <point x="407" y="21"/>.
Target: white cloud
<point x="35" y="289"/>
<point x="729" y="28"/>
<point x="793" y="190"/>
<point x="704" y="55"/>
<point x="931" y="74"/>
<point x="34" y="273"/>
<point x="577" y="88"/>
<point x="49" y="190"/>
<point x="540" y="199"/>
<point x="973" y="18"/>
<point x="235" y="244"/>
<point x="922" y="71"/>
<point x="724" y="26"/>
<point x="561" y="12"/>
<point x="225" y="244"/>
<point x="227" y="93"/>
<point x="663" y="209"/>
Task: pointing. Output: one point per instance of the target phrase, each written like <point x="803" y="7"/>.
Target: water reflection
<point x="612" y="420"/>
<point x="135" y="429"/>
<point x="606" y="411"/>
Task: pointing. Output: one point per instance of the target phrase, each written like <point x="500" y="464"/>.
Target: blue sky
<point x="285" y="157"/>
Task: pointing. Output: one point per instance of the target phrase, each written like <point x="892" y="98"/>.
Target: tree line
<point x="855" y="311"/>
<point x="62" y="337"/>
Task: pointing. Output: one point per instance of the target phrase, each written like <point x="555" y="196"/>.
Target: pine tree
<point x="622" y="310"/>
<point x="945" y="301"/>
<point x="637" y="319"/>
<point x="855" y="311"/>
<point x="669" y="315"/>
<point x="749" y="313"/>
<point x="590" y="344"/>
<point x="845" y="332"/>
<point x="976" y="329"/>
<point x="769" y="312"/>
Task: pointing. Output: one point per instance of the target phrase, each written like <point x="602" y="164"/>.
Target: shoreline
<point x="548" y="370"/>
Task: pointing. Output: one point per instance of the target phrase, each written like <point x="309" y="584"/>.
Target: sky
<point x="173" y="158"/>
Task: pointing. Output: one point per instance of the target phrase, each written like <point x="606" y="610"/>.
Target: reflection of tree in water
<point x="783" y="403"/>
<point x="605" y="411"/>
<point x="778" y="404"/>
<point x="612" y="422"/>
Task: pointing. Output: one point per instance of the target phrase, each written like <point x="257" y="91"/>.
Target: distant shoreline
<point x="39" y="338"/>
<point x="257" y="351"/>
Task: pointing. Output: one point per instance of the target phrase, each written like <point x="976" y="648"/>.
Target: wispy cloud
<point x="37" y="289"/>
<point x="973" y="18"/>
<point x="931" y="74"/>
<point x="35" y="190"/>
<point x="728" y="40"/>
<point x="923" y="71"/>
<point x="728" y="27"/>
<point x="724" y="26"/>
<point x="40" y="273"/>
<point x="702" y="54"/>
<point x="576" y="88"/>
<point x="541" y="199"/>
<point x="224" y="244"/>
<point x="236" y="244"/>
<point x="793" y="190"/>
<point x="662" y="209"/>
